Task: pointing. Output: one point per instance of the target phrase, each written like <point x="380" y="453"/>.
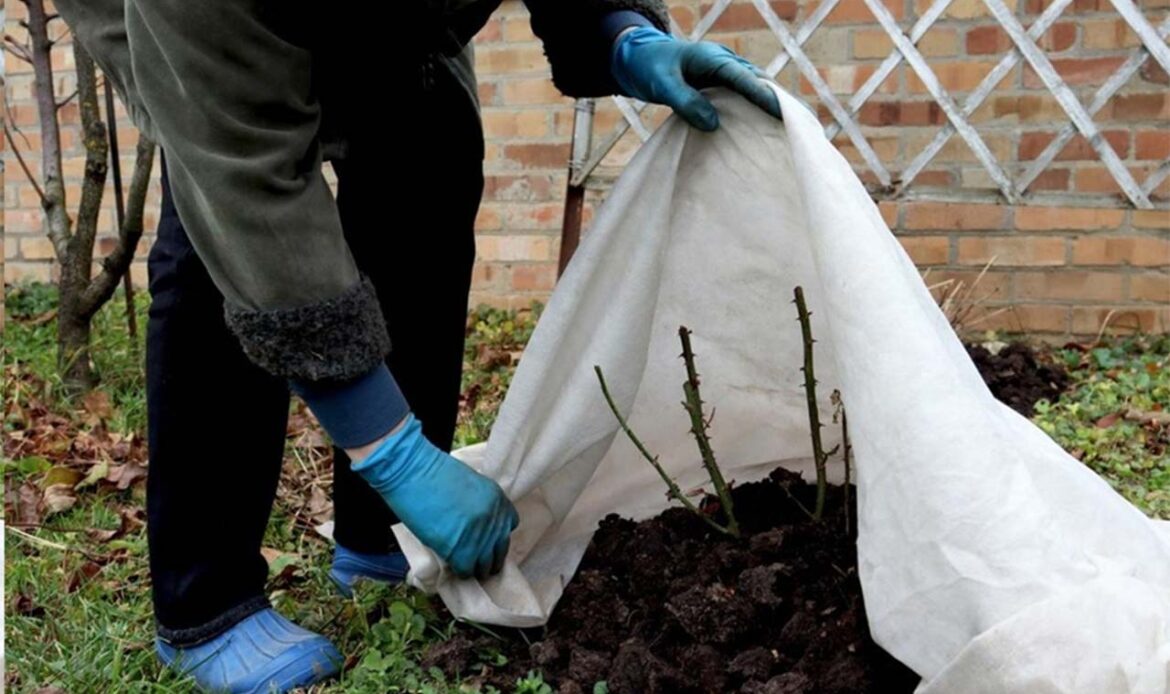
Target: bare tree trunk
<point x="57" y="223"/>
<point x="77" y="266"/>
<point x="81" y="294"/>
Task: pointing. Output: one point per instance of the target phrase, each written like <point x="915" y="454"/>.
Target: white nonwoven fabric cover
<point x="991" y="560"/>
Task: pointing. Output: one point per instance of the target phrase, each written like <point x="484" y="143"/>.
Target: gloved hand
<point x="457" y="512"/>
<point x="656" y="67"/>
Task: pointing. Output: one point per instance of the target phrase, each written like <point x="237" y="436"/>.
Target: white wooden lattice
<point x="586" y="157"/>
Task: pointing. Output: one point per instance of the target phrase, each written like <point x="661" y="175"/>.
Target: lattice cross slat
<point x="981" y="92"/>
<point x="1068" y="101"/>
<point x="891" y="62"/>
<point x="949" y="107"/>
<point x="806" y="68"/>
<point x="845" y="115"/>
<point x="1127" y="70"/>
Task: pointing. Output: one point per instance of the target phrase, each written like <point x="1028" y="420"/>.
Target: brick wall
<point x="1071" y="256"/>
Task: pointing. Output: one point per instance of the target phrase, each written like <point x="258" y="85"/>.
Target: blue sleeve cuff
<point x="355" y="413"/>
<point x="615" y="23"/>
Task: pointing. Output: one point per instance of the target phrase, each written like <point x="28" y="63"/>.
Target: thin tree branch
<point x="57" y="222"/>
<point x="17" y="49"/>
<point x="64" y="102"/>
<point x="97" y="154"/>
<point x="694" y="407"/>
<point x="673" y="490"/>
<point x="23" y="164"/>
<point x="810" y="391"/>
<point x="117" y="263"/>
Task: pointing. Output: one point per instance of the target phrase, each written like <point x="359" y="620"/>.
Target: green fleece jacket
<point x="233" y="92"/>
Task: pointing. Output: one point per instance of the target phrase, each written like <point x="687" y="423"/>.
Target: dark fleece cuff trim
<point x="334" y="340"/>
<point x="193" y="636"/>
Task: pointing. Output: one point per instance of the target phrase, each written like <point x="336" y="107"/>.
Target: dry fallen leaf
<point x="97" y="403"/>
<point x="129" y="518"/>
<point x="83" y="573"/>
<point x="23" y="605"/>
<point x="1108" y="420"/>
<point x="320" y="506"/>
<point x="59" y="474"/>
<point x="126" y="474"/>
<point x="58" y="498"/>
<point x="22" y="506"/>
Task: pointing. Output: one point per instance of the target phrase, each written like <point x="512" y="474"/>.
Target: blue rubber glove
<point x="457" y="512"/>
<point x="658" y="68"/>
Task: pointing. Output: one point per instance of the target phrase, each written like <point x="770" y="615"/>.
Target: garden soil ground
<point x="670" y="605"/>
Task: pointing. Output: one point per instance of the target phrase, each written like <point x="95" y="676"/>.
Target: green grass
<point x="87" y="623"/>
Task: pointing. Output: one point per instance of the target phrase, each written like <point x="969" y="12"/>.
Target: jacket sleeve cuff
<point x="581" y="59"/>
<point x="615" y="23"/>
<point x="356" y="412"/>
<point x="332" y="341"/>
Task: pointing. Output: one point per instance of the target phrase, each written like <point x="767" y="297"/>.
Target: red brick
<point x="1052" y="179"/>
<point x="1150" y="286"/>
<point x="1145" y="251"/>
<point x="1038" y="6"/>
<point x="855" y="12"/>
<point x="487" y="93"/>
<point x="526" y="188"/>
<point x="1151" y="71"/>
<point x="513" y="248"/>
<point x="927" y="250"/>
<point x="487" y="218"/>
<point x="847" y="79"/>
<point x="987" y="40"/>
<point x="512" y="123"/>
<point x="518" y="30"/>
<point x="953" y="216"/>
<point x="1009" y="251"/>
<point x="1075" y="285"/>
<point x="935" y="178"/>
<point x="1060" y="37"/>
<point x="684" y="17"/>
<point x="489" y="33"/>
<point x="1151" y="219"/>
<point x="1021" y="318"/>
<point x="538" y="156"/>
<point x="483" y="276"/>
<point x="960" y="76"/>
<point x="534" y="277"/>
<point x="1151" y="144"/>
<point x="534" y="216"/>
<point x="1107" y="34"/>
<point x="509" y="59"/>
<point x="1077" y="71"/>
<point x="910" y="113"/>
<point x="537" y="90"/>
<point x="1078" y="148"/>
<point x="972" y="285"/>
<point x="37" y="248"/>
<point x="1062" y="218"/>
<point x="1138" y="107"/>
<point x="1088" y="320"/>
<point x="745" y="17"/>
<point x="1098" y="179"/>
<point x="871" y="43"/>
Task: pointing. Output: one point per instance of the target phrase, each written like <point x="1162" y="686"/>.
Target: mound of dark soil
<point x="670" y="605"/>
<point x="1019" y="376"/>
